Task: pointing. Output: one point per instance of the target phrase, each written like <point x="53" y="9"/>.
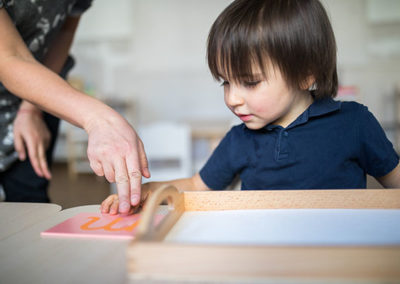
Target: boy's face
<point x="260" y="102"/>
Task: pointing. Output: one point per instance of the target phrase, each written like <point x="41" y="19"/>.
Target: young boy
<point x="277" y="61"/>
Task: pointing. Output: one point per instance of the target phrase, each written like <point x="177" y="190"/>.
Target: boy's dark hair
<point x="294" y="35"/>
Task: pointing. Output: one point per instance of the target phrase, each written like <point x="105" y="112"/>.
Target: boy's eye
<point x="251" y="84"/>
<point x="224" y="83"/>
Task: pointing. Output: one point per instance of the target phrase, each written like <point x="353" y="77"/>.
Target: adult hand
<point x="31" y="133"/>
<point x="116" y="152"/>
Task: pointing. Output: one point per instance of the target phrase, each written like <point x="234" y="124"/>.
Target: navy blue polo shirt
<point x="331" y="145"/>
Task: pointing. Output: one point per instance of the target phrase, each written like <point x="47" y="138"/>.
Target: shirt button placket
<point x="282" y="149"/>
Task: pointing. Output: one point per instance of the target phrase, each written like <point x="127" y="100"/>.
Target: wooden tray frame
<point x="148" y="257"/>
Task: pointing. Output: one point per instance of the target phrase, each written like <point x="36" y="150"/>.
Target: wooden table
<point x="26" y="257"/>
<point x="15" y="217"/>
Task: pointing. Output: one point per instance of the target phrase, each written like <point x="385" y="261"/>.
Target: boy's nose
<point x="233" y="97"/>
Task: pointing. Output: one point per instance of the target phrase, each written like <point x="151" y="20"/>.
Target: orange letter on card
<point x="108" y="227"/>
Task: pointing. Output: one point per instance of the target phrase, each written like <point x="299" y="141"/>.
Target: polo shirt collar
<point x="317" y="108"/>
<point x="324" y="106"/>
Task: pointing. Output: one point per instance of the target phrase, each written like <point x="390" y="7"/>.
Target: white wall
<point x="368" y="54"/>
<point x="160" y="61"/>
<point x="162" y="65"/>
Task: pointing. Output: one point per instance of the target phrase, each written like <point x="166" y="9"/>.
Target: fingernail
<point x="135" y="199"/>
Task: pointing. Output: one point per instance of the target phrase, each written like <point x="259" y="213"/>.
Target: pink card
<point x="97" y="225"/>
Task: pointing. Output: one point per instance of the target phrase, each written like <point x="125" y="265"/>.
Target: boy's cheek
<point x="261" y="109"/>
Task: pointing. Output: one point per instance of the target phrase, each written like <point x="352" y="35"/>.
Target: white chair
<point x="168" y="150"/>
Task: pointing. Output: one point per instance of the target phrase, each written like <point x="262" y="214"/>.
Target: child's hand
<point x="111" y="203"/>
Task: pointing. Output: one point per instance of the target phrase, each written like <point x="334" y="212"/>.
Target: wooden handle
<point x="146" y="230"/>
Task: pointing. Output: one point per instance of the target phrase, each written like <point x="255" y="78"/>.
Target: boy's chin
<point x="254" y="126"/>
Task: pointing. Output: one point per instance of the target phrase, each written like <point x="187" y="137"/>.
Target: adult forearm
<point x="58" y="53"/>
<point x="23" y="76"/>
<point x="35" y="83"/>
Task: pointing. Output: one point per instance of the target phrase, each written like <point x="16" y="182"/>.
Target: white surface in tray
<point x="289" y="227"/>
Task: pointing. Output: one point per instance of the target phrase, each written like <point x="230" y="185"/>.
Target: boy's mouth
<point x="245" y="117"/>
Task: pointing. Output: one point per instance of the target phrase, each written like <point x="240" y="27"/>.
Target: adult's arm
<point x="114" y="149"/>
<point x="30" y="130"/>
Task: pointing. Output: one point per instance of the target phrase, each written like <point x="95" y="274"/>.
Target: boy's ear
<point x="308" y="83"/>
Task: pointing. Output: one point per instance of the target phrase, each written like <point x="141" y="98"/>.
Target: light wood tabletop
<point x="26" y="257"/>
<point x="16" y="217"/>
